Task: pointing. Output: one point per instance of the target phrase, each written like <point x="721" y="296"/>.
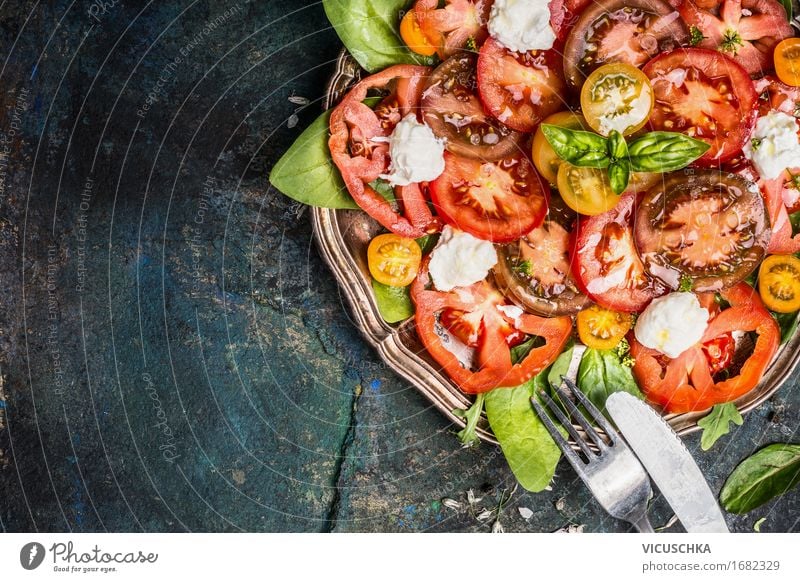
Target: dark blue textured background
<point x="174" y="355"/>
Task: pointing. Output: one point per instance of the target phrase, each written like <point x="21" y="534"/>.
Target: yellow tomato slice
<point x="544" y="158"/>
<point x="413" y="36"/>
<point x="779" y="283"/>
<point x="618" y="97"/>
<point x="393" y="260"/>
<point x="586" y="190"/>
<point x="787" y="61"/>
<point x="601" y="328"/>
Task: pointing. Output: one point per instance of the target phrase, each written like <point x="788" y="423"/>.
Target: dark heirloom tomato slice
<point x="484" y="309"/>
<point x="709" y="226"/>
<point x="452" y="109"/>
<point x="620" y="31"/>
<point x="605" y="262"/>
<point x="686" y="383"/>
<point x="361" y="159"/>
<point x="705" y="95"/>
<point x="745" y="30"/>
<point x="450" y="27"/>
<point x="520" y="89"/>
<point x="536" y="272"/>
<point x="496" y="201"/>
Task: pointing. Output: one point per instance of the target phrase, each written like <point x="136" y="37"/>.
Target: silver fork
<point x="610" y="469"/>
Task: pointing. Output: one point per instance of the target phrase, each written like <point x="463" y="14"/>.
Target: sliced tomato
<point x="606" y="265"/>
<point x="781" y="242"/>
<point x="536" y="272"/>
<point x="452" y="109"/>
<point x="745" y="30"/>
<point x="686" y="383"/>
<point x="787" y="61"/>
<point x="602" y="329"/>
<point x="450" y="27"/>
<point x="777" y="96"/>
<point x="413" y="36"/>
<point x="520" y="89"/>
<point x="705" y="95"/>
<point x="709" y="226"/>
<point x="544" y="157"/>
<point x="495" y="201"/>
<point x="361" y="159"/>
<point x="586" y="190"/>
<point x="488" y="365"/>
<point x="393" y="260"/>
<point x="779" y="283"/>
<point x="620" y="31"/>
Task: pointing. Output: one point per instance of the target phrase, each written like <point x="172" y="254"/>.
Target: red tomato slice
<point x="705" y="95"/>
<point x="361" y="159"/>
<point x="520" y="89"/>
<point x="782" y="242"/>
<point x="449" y="28"/>
<point x="496" y="201"/>
<point x="773" y="95"/>
<point x="605" y="263"/>
<point x="489" y="366"/>
<point x="686" y="383"/>
<point x="745" y="30"/>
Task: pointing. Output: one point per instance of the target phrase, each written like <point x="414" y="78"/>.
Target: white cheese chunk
<point x="672" y="324"/>
<point x="774" y="145"/>
<point x="522" y="25"/>
<point x="460" y="260"/>
<point x="416" y="154"/>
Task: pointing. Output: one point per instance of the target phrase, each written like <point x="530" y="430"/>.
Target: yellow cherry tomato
<point x="586" y="190"/>
<point x="617" y="96"/>
<point x="787" y="61"/>
<point x="779" y="283"/>
<point x="544" y="158"/>
<point x="601" y="328"/>
<point x="413" y="36"/>
<point x="393" y="260"/>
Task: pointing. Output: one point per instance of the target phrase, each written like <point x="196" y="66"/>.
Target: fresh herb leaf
<point x="467" y="435"/>
<point x="601" y="373"/>
<point x="793" y="183"/>
<point x="619" y="172"/>
<point x="717" y="423"/>
<point x="394" y="303"/>
<point x="770" y="472"/>
<point x="664" y="151"/>
<point x="686" y="283"/>
<point x="519" y="351"/>
<point x="787" y="322"/>
<point x="524" y="268"/>
<point x="370" y="29"/>
<point x="755" y="143"/>
<point x="617" y="147"/>
<point x="383" y="188"/>
<point x="580" y="148"/>
<point x="623" y="351"/>
<point x="731" y="41"/>
<point x="787" y="5"/>
<point x="696" y="35"/>
<point x="472" y="46"/>
<point x="428" y="242"/>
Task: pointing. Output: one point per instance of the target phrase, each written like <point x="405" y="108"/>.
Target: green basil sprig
<point x="657" y="151"/>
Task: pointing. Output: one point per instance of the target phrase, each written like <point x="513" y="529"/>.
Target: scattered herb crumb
<point x="685" y="284"/>
<point x="670" y="522"/>
<point x="696" y="36"/>
<point x="525" y="512"/>
<point x="757" y="525"/>
<point x="524" y="268"/>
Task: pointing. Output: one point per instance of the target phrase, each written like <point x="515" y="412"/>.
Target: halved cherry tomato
<point x="450" y="27"/>
<point x="489" y="365"/>
<point x="745" y="30"/>
<point x="686" y="383"/>
<point x="617" y="97"/>
<point x="413" y="36"/>
<point x="586" y="190"/>
<point x="779" y="283"/>
<point x="520" y="89"/>
<point x="787" y="61"/>
<point x="393" y="260"/>
<point x="709" y="226"/>
<point x="496" y="201"/>
<point x="361" y="159"/>
<point x="452" y="109"/>
<point x="602" y="329"/>
<point x="620" y="31"/>
<point x="605" y="263"/>
<point x="705" y="95"/>
<point x="544" y="157"/>
<point x="535" y="272"/>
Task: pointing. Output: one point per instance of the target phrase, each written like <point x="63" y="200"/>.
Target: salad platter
<point x="652" y="229"/>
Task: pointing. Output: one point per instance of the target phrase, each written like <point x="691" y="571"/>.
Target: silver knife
<point x="669" y="464"/>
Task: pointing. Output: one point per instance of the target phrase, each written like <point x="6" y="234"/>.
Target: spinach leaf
<point x="526" y="444"/>
<point x="306" y="172"/>
<point x="787" y="322"/>
<point x="394" y="303"/>
<point x="717" y="423"/>
<point x="770" y="472"/>
<point x="369" y="29"/>
<point x="601" y="373"/>
<point x="428" y="242"/>
<point x="557" y="369"/>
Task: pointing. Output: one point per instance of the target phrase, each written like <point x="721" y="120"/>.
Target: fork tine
<point x="596" y="415"/>
<point x="585" y="424"/>
<point x="567" y="424"/>
<point x="571" y="455"/>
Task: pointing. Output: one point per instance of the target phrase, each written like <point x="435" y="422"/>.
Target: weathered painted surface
<point x="173" y="352"/>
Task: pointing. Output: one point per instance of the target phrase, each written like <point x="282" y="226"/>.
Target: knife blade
<point x="670" y="465"/>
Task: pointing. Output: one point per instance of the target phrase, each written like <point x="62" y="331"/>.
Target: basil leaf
<point x="787" y="322"/>
<point x="717" y="423"/>
<point x="369" y="29"/>
<point x="664" y="151"/>
<point x="617" y="147"/>
<point x="770" y="472"/>
<point x="619" y="173"/>
<point x="601" y="373"/>
<point x="306" y="172"/>
<point x="580" y="148"/>
<point x="527" y="446"/>
<point x="394" y="303"/>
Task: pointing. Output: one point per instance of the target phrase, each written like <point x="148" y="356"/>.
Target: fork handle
<point x="642" y="525"/>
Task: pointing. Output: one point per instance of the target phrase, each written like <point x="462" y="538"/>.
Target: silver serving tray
<point x="343" y="237"/>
